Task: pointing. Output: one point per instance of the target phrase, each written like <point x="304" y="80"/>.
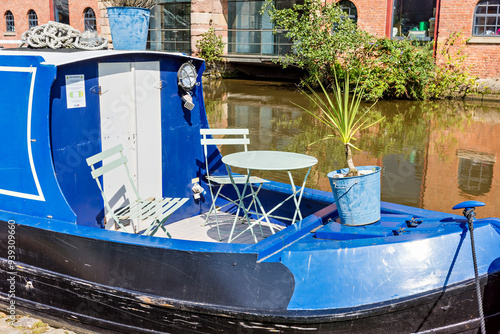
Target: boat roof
<point x="67" y="56"/>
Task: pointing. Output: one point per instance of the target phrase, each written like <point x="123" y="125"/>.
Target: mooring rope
<point x="476" y="274"/>
<point x="57" y="35"/>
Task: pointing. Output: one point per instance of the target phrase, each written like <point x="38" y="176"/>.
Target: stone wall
<point x="103" y="22"/>
<point x="205" y="13"/>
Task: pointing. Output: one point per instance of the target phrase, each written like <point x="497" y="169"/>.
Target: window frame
<point x="255" y="37"/>
<point x="349" y="8"/>
<point x="405" y="17"/>
<point x="486" y="15"/>
<point x="171" y="35"/>
<point x="32" y="19"/>
<point x="10" y="23"/>
<point x="89" y="21"/>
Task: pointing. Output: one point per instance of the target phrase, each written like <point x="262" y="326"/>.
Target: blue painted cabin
<point x="129" y="98"/>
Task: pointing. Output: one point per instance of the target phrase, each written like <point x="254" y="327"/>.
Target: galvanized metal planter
<point x="129" y="27"/>
<point x="357" y="197"/>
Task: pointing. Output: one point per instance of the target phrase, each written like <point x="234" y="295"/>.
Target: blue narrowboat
<point x="64" y="257"/>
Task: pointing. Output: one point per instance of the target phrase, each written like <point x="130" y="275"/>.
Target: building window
<point x="170" y="26"/>
<point x="89" y="20"/>
<point x="9" y="21"/>
<point x="413" y="19"/>
<point x="32" y="19"/>
<point x="487" y="18"/>
<point x="252" y="33"/>
<point x="350" y="9"/>
<point x="61" y="11"/>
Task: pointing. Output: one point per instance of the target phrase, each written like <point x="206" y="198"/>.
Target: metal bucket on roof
<point x="129" y="27"/>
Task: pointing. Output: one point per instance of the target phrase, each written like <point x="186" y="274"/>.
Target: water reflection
<point x="433" y="155"/>
<point x="475" y="172"/>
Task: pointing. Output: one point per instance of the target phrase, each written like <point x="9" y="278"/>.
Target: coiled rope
<point x="57" y="35"/>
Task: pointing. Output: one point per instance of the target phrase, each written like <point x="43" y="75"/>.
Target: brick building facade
<point x="178" y="24"/>
<point x="45" y="12"/>
<point x="379" y="17"/>
<point x="19" y="10"/>
<point x="482" y="52"/>
<point x="451" y="17"/>
<point x="372" y="16"/>
<point x="77" y="12"/>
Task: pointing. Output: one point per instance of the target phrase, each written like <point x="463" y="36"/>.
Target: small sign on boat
<point x="75" y="91"/>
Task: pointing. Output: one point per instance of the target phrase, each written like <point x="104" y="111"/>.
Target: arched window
<point x="32" y="18"/>
<point x="9" y="21"/>
<point x="89" y="19"/>
<point x="487" y="18"/>
<point x="350" y="9"/>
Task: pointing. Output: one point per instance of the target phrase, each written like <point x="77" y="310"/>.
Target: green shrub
<point x="326" y="41"/>
<point x="452" y="74"/>
<point x="397" y="69"/>
<point x="210" y="48"/>
<point x="320" y="34"/>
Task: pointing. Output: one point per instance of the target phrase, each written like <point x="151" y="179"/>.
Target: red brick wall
<point x="372" y="16"/>
<point x="482" y="58"/>
<point x="457" y="16"/>
<point x="19" y="9"/>
<point x="76" y="8"/>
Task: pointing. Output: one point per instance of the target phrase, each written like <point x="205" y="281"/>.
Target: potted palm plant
<point x="356" y="189"/>
<point x="129" y="22"/>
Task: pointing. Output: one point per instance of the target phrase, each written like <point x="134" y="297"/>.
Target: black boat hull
<point x="83" y="305"/>
<point x="85" y="300"/>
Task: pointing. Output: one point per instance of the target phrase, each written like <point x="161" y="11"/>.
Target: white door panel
<point x="131" y="115"/>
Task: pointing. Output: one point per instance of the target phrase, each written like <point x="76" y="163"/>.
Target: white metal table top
<point x="269" y="160"/>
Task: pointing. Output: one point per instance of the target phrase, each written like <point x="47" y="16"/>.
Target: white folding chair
<point x="153" y="211"/>
<point x="229" y="137"/>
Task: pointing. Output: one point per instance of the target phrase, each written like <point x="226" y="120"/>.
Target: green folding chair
<point x="151" y="212"/>
<point x="217" y="182"/>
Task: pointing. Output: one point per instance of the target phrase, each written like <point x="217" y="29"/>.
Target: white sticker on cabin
<point x="75" y="91"/>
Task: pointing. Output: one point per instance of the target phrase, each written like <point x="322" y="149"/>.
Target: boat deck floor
<point x="194" y="228"/>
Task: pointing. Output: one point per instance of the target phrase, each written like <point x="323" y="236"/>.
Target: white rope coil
<point x="57" y="35"/>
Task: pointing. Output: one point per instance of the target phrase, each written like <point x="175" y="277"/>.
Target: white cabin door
<point x="130" y="108"/>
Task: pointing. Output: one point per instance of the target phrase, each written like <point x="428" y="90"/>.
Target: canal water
<point x="433" y="154"/>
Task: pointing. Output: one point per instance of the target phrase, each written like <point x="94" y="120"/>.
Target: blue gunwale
<point x="447" y="223"/>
